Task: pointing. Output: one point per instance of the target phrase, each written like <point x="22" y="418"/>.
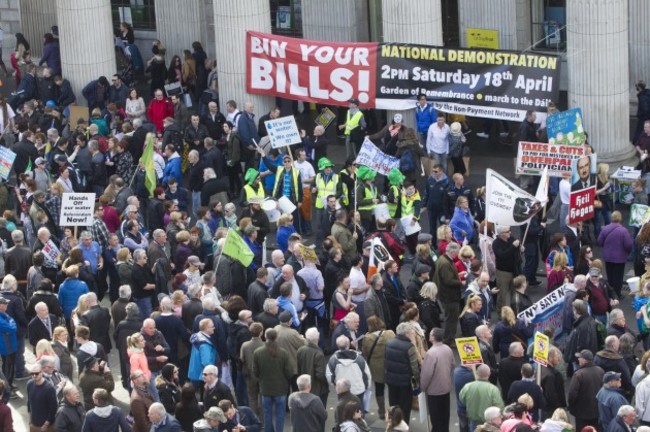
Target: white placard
<point x="283" y="131"/>
<point x="77" y="209"/>
<point x="381" y="211"/>
<point x="408" y="228"/>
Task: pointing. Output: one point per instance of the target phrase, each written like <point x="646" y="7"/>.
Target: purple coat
<point x="616" y="242"/>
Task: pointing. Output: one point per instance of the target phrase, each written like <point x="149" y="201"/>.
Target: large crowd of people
<point x="210" y="340"/>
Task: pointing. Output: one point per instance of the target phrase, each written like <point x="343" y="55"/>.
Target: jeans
<point x="152" y="387"/>
<point x="277" y="403"/>
<point x="606" y="214"/>
<point x="441" y="158"/>
<point x="350" y="149"/>
<point x="144" y="304"/>
<point x="196" y="202"/>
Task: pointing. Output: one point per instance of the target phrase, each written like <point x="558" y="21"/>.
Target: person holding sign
<point x="367" y="196"/>
<point x="411" y="206"/>
<point x="289" y="184"/>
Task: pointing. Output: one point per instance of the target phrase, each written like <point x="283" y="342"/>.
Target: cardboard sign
<point x="532" y="158"/>
<point x="581" y="205"/>
<point x="469" y="351"/>
<point x="565" y="128"/>
<point x="7" y="158"/>
<point x="283" y="131"/>
<point x="325" y="117"/>
<point x="77" y="209"/>
<point x="540" y="349"/>
<point x="482" y="38"/>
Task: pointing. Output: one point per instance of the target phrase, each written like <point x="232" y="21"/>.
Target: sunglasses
<point x="35" y="373"/>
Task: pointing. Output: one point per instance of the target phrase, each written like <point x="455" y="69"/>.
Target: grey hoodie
<point x="108" y="418"/>
<point x="307" y="412"/>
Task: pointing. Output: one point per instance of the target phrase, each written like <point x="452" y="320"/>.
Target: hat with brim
<point x="250" y="229"/>
<point x="324" y="163"/>
<point x="364" y="173"/>
<point x="455" y="128"/>
<point x="195" y="261"/>
<point x="354" y="101"/>
<point x="395" y="177"/>
<point x="255" y="200"/>
<point x="585" y="354"/>
<point x="251" y="175"/>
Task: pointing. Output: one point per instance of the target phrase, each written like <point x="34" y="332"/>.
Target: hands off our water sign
<point x="77" y="209"/>
<point x="283" y="131"/>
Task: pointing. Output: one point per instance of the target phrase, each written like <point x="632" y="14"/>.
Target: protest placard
<point x="325" y="117"/>
<point x="540" y="348"/>
<point x="7" y="158"/>
<point x="506" y="204"/>
<point x="77" y="209"/>
<point x="639" y="215"/>
<point x="283" y="131"/>
<point x="546" y="312"/>
<point x="532" y="158"/>
<point x="375" y="159"/>
<point x="581" y="205"/>
<point x="469" y="351"/>
<point x="565" y="128"/>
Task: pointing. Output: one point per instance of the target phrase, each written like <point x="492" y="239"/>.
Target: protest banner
<point x="541" y="345"/>
<point x="375" y="159"/>
<point x="308" y="253"/>
<point x="77" y="209"/>
<point x="480" y="83"/>
<point x="7" y="158"/>
<point x="283" y="131"/>
<point x="565" y="128"/>
<point x="469" y="351"/>
<point x="546" y="312"/>
<point x="581" y="205"/>
<point x="532" y="158"/>
<point x="506" y="204"/>
<point x="325" y="117"/>
<point x="639" y="215"/>
<point x="51" y="252"/>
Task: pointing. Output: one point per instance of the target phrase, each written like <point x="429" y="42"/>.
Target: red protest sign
<point x="581" y="205"/>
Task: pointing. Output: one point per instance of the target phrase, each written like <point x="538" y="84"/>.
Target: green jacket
<point x="273" y="373"/>
<point x="477" y="396"/>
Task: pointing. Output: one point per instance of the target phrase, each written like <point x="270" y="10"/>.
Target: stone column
<point x="335" y="20"/>
<point x="639" y="45"/>
<point x="179" y="23"/>
<point x="38" y="17"/>
<point x="86" y="39"/>
<point x="415" y="22"/>
<point x="597" y="55"/>
<point x="232" y="18"/>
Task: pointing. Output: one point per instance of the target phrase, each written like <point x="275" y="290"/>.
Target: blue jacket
<point x="52" y="56"/>
<point x="203" y="354"/>
<point x="282" y="238"/>
<point x="425" y="117"/>
<point x="219" y="337"/>
<point x="69" y="293"/>
<point x="247" y="129"/>
<point x="8" y="341"/>
<point x="66" y="95"/>
<point x="28" y="87"/>
<point x="462" y="376"/>
<point x="609" y="401"/>
<point x="462" y="221"/>
<point x="434" y="193"/>
<point x="173" y="169"/>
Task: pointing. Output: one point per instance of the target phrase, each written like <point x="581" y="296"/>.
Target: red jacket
<point x="158" y="110"/>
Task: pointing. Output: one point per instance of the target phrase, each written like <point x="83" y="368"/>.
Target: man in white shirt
<point x="438" y="141"/>
<point x="307" y="175"/>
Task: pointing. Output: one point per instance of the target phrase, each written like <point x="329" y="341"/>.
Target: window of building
<point x="286" y="17"/>
<point x="141" y="14"/>
<point x="549" y="24"/>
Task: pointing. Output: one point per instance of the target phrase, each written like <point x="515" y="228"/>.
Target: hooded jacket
<point x="612" y="361"/>
<point x="203" y="354"/>
<point x="352" y="366"/>
<point x="108" y="418"/>
<point x="609" y="401"/>
<point x="69" y="418"/>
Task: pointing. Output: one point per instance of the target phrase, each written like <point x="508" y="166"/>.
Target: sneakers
<point x="534" y="283"/>
<point x="482" y="135"/>
<point x="504" y="134"/>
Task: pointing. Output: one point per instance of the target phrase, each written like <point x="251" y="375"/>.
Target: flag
<point x="372" y="261"/>
<point x="29" y="167"/>
<point x="236" y="248"/>
<point x="505" y="203"/>
<point x="542" y="188"/>
<point x="147" y="162"/>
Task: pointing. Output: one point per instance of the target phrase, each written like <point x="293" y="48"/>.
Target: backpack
<point x="407" y="161"/>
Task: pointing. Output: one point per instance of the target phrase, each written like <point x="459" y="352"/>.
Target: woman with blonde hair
<point x="444" y="235"/>
<point x="178" y="299"/>
<point x="604" y="188"/>
<point x="412" y="316"/>
<point x="505" y="332"/>
<point x="44" y="348"/>
<point x="465" y="257"/>
<point x="285" y="229"/>
<point x="431" y="311"/>
<point x="138" y="360"/>
<point x="374" y="348"/>
<point x="60" y="347"/>
<point x="560" y="273"/>
<point x="77" y="313"/>
<point x="479" y="205"/>
<point x="423" y="257"/>
<point x="469" y="318"/>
